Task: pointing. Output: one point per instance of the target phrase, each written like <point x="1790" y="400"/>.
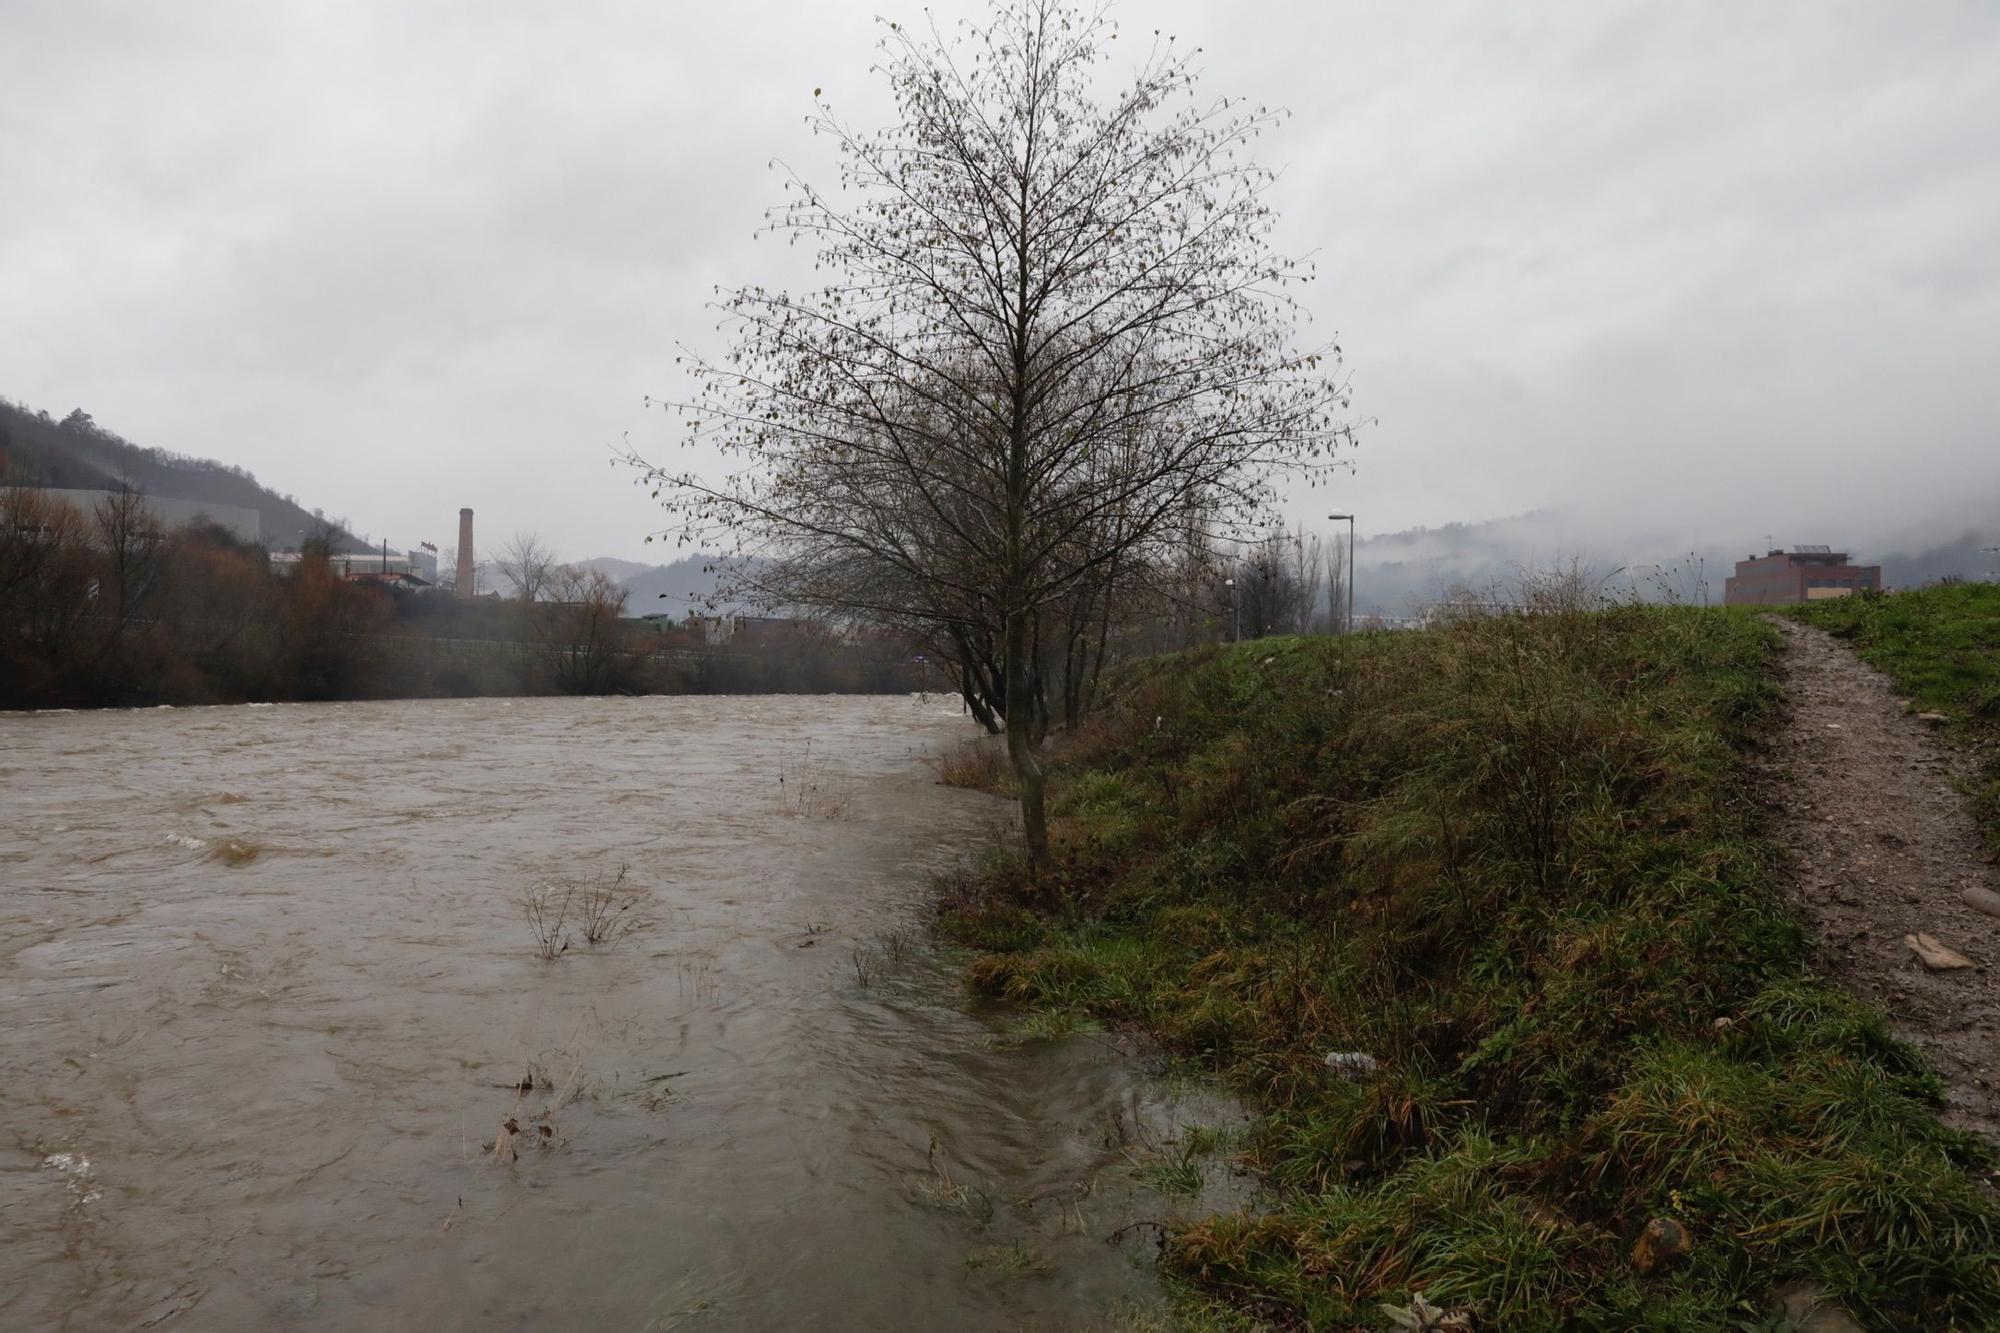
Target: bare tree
<point x="48" y="582"/>
<point x="527" y="565"/>
<point x="1276" y="584"/>
<point x="578" y="631"/>
<point x="134" y="545"/>
<point x="1336" y="587"/>
<point x="36" y="530"/>
<point x="1056" y="333"/>
<point x="448" y="571"/>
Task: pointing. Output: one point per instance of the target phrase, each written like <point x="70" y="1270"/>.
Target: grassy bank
<point x="1514" y="862"/>
<point x="1942" y="648"/>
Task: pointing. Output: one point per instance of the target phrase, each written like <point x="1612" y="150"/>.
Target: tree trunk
<point x="1103" y="641"/>
<point x="1020" y="746"/>
<point x="979" y="681"/>
<point x="1073" y="665"/>
<point x="975" y="703"/>
<point x="1038" y="685"/>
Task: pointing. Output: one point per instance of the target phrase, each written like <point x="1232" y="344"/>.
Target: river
<point x="269" y="994"/>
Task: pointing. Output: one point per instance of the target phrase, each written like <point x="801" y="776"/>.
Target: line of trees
<point x="1055" y="365"/>
<point x="110" y="607"/>
<point x="106" y="606"/>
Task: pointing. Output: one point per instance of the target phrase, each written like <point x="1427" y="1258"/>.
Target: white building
<point x="350" y="564"/>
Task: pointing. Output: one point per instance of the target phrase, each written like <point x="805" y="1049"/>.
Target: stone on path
<point x="1936" y="956"/>
<point x="1984" y="900"/>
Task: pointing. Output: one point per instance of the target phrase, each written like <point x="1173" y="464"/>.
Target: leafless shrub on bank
<point x="973" y="765"/>
<point x="896" y="944"/>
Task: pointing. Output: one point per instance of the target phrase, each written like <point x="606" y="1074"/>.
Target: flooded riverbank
<point x="270" y="995"/>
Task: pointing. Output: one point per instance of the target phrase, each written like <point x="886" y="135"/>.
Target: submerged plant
<point x="602" y="910"/>
<point x="807" y="790"/>
<point x="545" y="906"/>
<point x="609" y="909"/>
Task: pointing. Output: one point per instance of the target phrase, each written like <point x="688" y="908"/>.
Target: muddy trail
<point x="1888" y="861"/>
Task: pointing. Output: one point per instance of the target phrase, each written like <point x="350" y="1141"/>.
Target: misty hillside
<point x="613" y="567"/>
<point x="1970" y="556"/>
<point x="687" y="584"/>
<point x="76" y="452"/>
<point x="1400" y="572"/>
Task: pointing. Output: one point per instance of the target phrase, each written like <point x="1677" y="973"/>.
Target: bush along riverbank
<point x="1509" y="875"/>
<point x="1941" y="647"/>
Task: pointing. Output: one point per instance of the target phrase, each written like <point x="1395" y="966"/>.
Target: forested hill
<point x="76" y="452"/>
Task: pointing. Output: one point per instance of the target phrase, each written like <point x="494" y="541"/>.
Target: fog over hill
<point x="1403" y="572"/>
<point x="77" y="453"/>
<point x="674" y="589"/>
<point x="1400" y="572"/>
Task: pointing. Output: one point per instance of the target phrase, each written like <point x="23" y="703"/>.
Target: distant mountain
<point x="76" y="452"/>
<point x="688" y="584"/>
<point x="1401" y="571"/>
<point x="614" y="568"/>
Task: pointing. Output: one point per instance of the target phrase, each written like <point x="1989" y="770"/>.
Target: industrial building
<point x="1801" y="574"/>
<point x="419" y="566"/>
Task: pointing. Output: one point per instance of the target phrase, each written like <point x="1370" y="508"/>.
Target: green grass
<point x="1514" y="860"/>
<point x="1941" y="646"/>
<point x="1175" y="1172"/>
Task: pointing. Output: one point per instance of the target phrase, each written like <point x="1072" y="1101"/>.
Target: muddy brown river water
<point x="266" y="991"/>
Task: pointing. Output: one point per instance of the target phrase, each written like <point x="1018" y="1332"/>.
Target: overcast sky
<point x="1676" y="272"/>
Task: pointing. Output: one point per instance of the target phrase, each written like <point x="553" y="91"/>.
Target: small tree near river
<point x="1054" y="336"/>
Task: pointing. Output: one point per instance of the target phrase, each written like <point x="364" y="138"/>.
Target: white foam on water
<point x="77" y="1167"/>
<point x="193" y="844"/>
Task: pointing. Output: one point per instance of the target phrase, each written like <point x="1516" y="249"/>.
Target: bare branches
<point x="1055" y="335"/>
<point x="528" y="566"/>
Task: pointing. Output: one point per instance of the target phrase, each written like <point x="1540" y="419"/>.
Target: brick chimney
<point x="464" y="587"/>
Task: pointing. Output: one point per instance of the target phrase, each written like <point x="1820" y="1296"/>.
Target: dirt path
<point x="1882" y="846"/>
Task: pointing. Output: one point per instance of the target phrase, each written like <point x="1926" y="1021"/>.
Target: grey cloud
<point x="1680" y="273"/>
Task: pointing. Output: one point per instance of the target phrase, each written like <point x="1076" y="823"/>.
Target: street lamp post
<point x="1235" y="612"/>
<point x="1335" y="518"/>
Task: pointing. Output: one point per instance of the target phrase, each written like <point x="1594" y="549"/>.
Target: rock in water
<point x="1936" y="956"/>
